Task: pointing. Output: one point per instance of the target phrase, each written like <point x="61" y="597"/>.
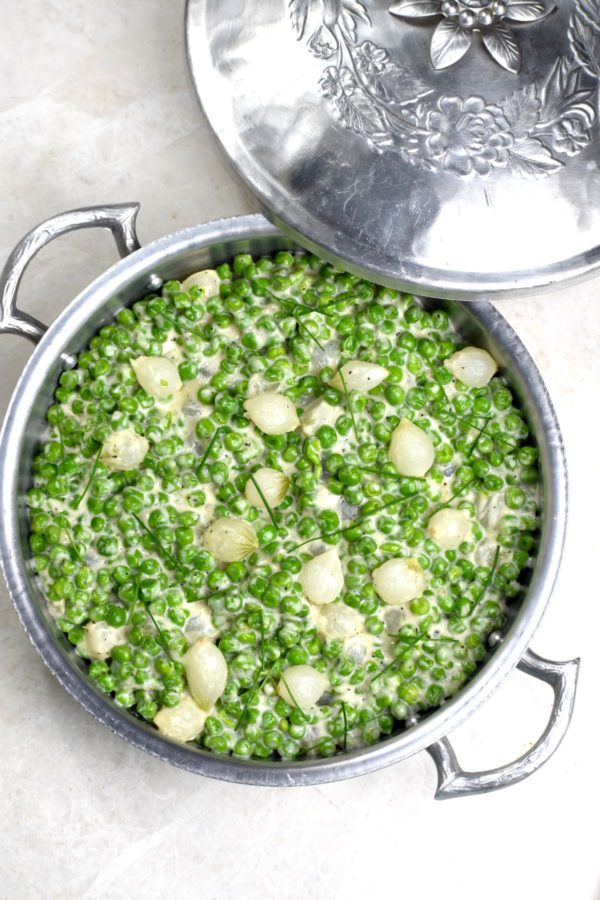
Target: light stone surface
<point x="96" y="107"/>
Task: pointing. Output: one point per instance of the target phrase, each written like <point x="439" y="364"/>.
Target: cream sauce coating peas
<point x="275" y="467"/>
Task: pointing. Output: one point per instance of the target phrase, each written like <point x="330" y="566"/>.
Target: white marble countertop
<point x="96" y="107"/>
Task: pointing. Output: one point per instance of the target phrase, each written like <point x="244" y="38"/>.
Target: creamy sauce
<point x="205" y="616"/>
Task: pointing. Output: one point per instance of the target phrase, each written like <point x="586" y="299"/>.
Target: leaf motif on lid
<point x="501" y="44"/>
<point x="449" y="43"/>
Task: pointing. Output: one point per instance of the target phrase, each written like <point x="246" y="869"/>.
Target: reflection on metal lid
<point x="447" y="146"/>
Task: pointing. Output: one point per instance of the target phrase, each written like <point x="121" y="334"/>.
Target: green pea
<point x="188" y="370"/>
<point x="217" y="581"/>
<point x="502" y="398"/>
<point x="493" y="483"/>
<point x="116" y="616"/>
<point x="420" y="606"/>
<point x="416" y="398"/>
<point x="233" y="441"/>
<point x="147" y="709"/>
<point x="514" y="498"/>
<point x="374" y="625"/>
<point x="121" y="653"/>
<point x="382" y="433"/>
<point x="266" y="534"/>
<point x="297" y="656"/>
<point x="219" y="473"/>
<point x="408" y="692"/>
<point x="327" y="436"/>
<point x="481" y="468"/>
<point x="349" y="475"/>
<point x="482" y="405"/>
<point x="236" y="571"/>
<point x="107" y="546"/>
<point x="242" y="748"/>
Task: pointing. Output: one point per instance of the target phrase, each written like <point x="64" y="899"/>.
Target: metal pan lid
<point x="445" y="146"/>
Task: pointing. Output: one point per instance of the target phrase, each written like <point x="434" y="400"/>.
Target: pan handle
<point x="119" y="218"/>
<point x="455" y="782"/>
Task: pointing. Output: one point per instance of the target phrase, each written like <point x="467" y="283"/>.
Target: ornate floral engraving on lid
<point x="531" y="132"/>
<point x="462" y="19"/>
<point x="465" y="182"/>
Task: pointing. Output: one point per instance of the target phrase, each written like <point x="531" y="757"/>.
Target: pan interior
<point x="175" y="257"/>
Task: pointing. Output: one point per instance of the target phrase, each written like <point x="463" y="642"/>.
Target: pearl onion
<point x="449" y="528"/>
<point x="206" y="672"/>
<point x="273" y="484"/>
<point x="124" y="450"/>
<point x="473" y="366"/>
<point x="183" y="722"/>
<point x="157" y="375"/>
<point x="272" y="413"/>
<point x="207" y="279"/>
<point x="411" y="450"/>
<point x="339" y="621"/>
<point x="100" y="638"/>
<point x="230" y="539"/>
<point x="356" y="375"/>
<point x="302" y="686"/>
<point x="322" y="578"/>
<point x="398" y="581"/>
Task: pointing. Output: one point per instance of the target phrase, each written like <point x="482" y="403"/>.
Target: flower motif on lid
<point x="371" y="59"/>
<point x="335" y="83"/>
<point x="462" y="18"/>
<point x="571" y="133"/>
<point x="530" y="132"/>
<point x="468" y="135"/>
<point x="323" y="43"/>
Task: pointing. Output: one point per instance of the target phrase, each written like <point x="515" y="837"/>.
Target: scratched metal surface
<point x="455" y="153"/>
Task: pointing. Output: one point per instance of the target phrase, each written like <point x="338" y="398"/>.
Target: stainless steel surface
<point x="172" y="257"/>
<point x="462" y="182"/>
<point x="453" y="781"/>
<point x="120" y="219"/>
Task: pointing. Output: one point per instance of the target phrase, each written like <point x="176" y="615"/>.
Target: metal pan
<point x="172" y="257"/>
